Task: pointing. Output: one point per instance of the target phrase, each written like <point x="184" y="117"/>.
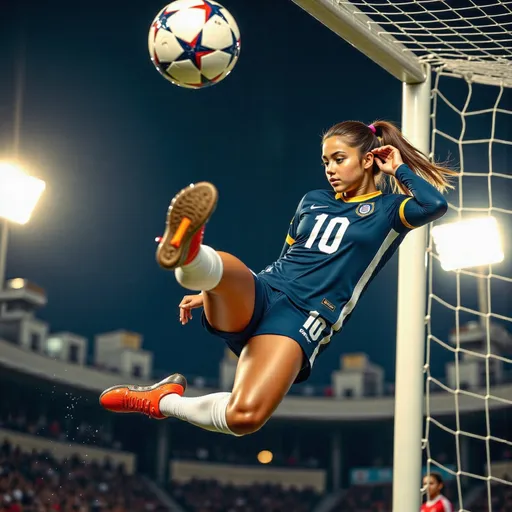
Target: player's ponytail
<point x="382" y="133"/>
<point x="437" y="175"/>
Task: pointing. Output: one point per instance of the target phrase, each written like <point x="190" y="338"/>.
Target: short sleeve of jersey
<point x="395" y="207"/>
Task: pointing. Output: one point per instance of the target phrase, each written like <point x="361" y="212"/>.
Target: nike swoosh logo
<point x="315" y="207"/>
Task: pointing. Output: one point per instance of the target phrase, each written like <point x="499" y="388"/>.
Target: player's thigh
<point x="267" y="367"/>
<point x="229" y="307"/>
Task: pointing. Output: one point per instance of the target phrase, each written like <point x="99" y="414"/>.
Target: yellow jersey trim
<point x="289" y="240"/>
<point x="358" y="199"/>
<point x="401" y="212"/>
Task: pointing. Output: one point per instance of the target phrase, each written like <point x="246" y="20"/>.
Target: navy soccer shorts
<point x="274" y="313"/>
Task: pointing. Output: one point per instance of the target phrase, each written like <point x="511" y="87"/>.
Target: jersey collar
<point x="358" y="199"/>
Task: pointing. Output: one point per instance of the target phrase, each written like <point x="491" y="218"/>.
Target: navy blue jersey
<point x="336" y="246"/>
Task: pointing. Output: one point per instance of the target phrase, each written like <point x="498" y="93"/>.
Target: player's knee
<point x="243" y="419"/>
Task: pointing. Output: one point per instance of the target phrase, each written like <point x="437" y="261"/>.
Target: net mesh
<point x="464" y="36"/>
<point x="473" y="124"/>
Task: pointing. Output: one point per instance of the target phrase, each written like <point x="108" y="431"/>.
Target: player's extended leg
<point x="226" y="282"/>
<point x="267" y="367"/>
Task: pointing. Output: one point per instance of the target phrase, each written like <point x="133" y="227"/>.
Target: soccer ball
<point x="194" y="43"/>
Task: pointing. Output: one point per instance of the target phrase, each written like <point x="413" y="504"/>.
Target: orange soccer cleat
<point x="188" y="213"/>
<point x="142" y="399"/>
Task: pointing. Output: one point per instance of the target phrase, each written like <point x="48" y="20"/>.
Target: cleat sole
<point x="190" y="209"/>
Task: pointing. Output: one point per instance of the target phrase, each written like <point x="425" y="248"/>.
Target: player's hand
<point x="388" y="159"/>
<point x="187" y="304"/>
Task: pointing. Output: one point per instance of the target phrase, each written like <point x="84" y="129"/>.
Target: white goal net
<point x="468" y="46"/>
<point x="469" y="317"/>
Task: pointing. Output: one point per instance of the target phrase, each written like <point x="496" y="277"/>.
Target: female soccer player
<point x="281" y="319"/>
<point x="436" y="502"/>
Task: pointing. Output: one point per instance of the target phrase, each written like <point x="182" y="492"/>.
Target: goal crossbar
<point x="363" y="33"/>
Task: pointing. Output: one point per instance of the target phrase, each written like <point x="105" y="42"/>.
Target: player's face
<point x="432" y="487"/>
<point x="346" y="171"/>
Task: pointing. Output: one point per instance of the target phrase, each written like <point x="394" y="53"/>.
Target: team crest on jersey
<point x="365" y="209"/>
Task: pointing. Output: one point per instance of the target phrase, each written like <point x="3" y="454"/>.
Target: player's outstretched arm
<point x="426" y="204"/>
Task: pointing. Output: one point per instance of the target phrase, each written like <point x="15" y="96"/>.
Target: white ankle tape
<point x="203" y="273"/>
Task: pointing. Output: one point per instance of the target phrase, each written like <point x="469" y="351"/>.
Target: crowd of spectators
<point x="36" y="482"/>
<point x="210" y="496"/>
<point x="53" y="428"/>
<point x="378" y="498"/>
<point x="365" y="498"/>
<point x="499" y="498"/>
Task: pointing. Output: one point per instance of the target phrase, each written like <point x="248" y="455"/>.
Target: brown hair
<point x="436" y="476"/>
<point x="359" y="135"/>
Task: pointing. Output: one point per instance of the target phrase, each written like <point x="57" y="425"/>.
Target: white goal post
<point x="407" y="38"/>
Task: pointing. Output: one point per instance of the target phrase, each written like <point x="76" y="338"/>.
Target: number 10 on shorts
<point x="314" y="325"/>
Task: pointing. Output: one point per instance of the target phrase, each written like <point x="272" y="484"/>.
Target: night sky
<point x="114" y="141"/>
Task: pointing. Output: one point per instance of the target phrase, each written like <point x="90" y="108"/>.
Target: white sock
<point x="203" y="273"/>
<point x="208" y="411"/>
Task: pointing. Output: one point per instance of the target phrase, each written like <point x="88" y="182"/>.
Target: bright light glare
<point x="16" y="284"/>
<point x="53" y="346"/>
<point x="468" y="243"/>
<point x="265" y="457"/>
<point x="19" y="193"/>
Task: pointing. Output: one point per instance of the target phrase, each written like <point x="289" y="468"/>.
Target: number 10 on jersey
<point x="327" y="242"/>
<point x="314" y="325"/>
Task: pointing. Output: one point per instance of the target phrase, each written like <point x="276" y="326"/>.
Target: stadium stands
<point x="36" y="482"/>
<point x="210" y="496"/>
<point x="501" y="499"/>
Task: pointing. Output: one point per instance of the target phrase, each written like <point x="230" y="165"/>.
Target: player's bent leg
<point x="268" y="366"/>
<point x="230" y="305"/>
<point x="227" y="283"/>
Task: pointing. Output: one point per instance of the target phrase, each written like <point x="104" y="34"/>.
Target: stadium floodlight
<point x="19" y="193"/>
<point x="468" y="243"/>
